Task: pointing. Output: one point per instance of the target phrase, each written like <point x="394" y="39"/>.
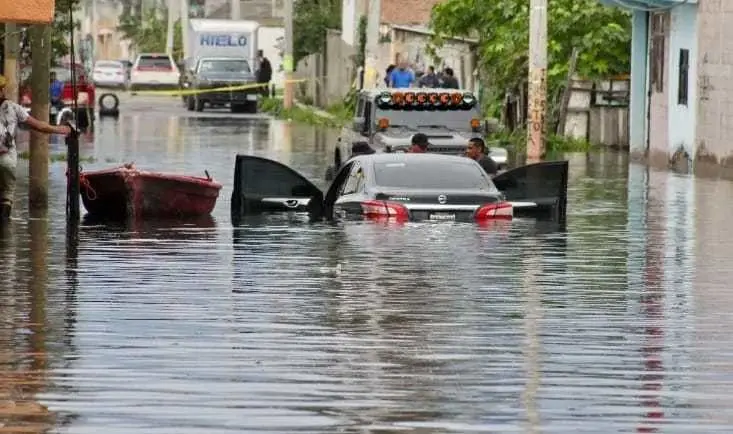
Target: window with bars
<point x="659" y="33"/>
<point x="683" y="85"/>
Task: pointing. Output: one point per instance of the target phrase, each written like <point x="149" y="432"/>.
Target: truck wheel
<point x="190" y="103"/>
<point x="251" y="107"/>
<point x="199" y="105"/>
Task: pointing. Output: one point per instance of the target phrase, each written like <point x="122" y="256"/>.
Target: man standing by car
<point x="56" y="91"/>
<point x="264" y="73"/>
<point x="12" y="114"/>
<point x="476" y="150"/>
<point x="419" y="144"/>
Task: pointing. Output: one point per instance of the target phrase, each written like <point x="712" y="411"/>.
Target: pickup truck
<point x="85" y="93"/>
<point x="209" y="73"/>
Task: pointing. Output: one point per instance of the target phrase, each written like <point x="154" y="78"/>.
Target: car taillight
<point x="497" y="210"/>
<point x="379" y="209"/>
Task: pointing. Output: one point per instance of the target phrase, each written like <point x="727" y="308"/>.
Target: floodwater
<point x="618" y="325"/>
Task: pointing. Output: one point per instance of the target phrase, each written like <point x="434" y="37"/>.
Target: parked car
<point x="109" y="73"/>
<point x="85" y="92"/>
<point x="152" y="70"/>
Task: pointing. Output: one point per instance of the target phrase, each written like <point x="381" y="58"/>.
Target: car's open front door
<point x="262" y="185"/>
<point x="538" y="190"/>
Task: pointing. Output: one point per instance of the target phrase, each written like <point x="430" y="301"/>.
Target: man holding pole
<point x="11" y="115"/>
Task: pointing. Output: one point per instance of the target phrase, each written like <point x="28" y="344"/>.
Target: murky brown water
<point x="620" y="325"/>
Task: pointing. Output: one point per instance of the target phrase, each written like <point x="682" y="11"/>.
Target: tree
<point x="148" y="34"/>
<point x="61" y="28"/>
<point x="311" y="19"/>
<point x="602" y="34"/>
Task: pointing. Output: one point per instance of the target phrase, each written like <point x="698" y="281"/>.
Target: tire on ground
<point x="107" y="109"/>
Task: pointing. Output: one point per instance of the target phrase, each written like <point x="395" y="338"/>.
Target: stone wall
<point x="327" y="78"/>
<point x="714" y="84"/>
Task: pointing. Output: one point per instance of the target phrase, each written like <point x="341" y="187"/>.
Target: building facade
<point x="681" y="109"/>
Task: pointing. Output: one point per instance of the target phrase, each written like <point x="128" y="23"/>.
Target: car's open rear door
<point x="538" y="190"/>
<point x="262" y="185"/>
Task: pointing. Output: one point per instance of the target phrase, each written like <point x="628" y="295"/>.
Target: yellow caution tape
<point x="185" y="92"/>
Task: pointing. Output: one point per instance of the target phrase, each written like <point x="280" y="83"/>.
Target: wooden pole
<point x="288" y="66"/>
<point x="10" y="66"/>
<point x="40" y="36"/>
<point x="537" y="106"/>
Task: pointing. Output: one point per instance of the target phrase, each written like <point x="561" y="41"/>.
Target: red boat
<point x="126" y="192"/>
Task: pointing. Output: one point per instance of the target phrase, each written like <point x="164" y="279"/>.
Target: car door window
<point x="360" y="108"/>
<point x="355" y="182"/>
<point x="368" y="117"/>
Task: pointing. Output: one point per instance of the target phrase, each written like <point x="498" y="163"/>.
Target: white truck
<point x="222" y="38"/>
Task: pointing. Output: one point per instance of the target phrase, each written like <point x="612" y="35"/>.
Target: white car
<point x="151" y="70"/>
<point x="109" y="73"/>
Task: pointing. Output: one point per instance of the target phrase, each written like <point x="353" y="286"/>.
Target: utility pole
<point x="10" y="66"/>
<point x="40" y="36"/>
<point x="372" y="43"/>
<point x="173" y="13"/>
<point x="537" y="107"/>
<point x="236" y="14"/>
<point x="184" y="25"/>
<point x="288" y="90"/>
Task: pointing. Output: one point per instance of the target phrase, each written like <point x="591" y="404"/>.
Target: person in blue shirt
<point x="401" y="76"/>
<point x="56" y="90"/>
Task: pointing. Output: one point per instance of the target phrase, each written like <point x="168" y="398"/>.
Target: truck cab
<point x="387" y="118"/>
<point x="220" y="81"/>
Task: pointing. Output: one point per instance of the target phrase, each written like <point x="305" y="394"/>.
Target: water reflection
<point x="617" y="322"/>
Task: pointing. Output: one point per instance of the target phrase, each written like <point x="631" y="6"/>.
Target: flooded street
<point x="618" y="325"/>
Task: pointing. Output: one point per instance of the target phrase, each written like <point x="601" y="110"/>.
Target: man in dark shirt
<point x="264" y="74"/>
<point x="449" y="81"/>
<point x="419" y="144"/>
<point x="430" y="79"/>
<point x="476" y="150"/>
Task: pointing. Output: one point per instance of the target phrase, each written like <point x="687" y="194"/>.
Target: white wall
<point x="682" y="119"/>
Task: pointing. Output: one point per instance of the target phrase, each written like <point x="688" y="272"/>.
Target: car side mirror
<point x="359" y="125"/>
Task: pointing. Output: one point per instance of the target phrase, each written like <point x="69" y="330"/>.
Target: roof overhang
<point x="646" y="5"/>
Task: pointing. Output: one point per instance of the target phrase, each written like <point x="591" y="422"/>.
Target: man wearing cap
<point x="11" y="115"/>
<point x="419" y="144"/>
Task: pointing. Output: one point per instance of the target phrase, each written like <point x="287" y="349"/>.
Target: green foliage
<point x="360" y="56"/>
<point x="311" y="19"/>
<point x="149" y="36"/>
<point x="61" y="27"/>
<point x="274" y="106"/>
<point x="517" y="141"/>
<point x="602" y="34"/>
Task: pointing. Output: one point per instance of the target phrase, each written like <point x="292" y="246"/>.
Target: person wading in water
<point x="12" y="115"/>
<point x="476" y="150"/>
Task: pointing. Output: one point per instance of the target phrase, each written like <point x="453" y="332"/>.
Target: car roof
<point x="380" y="90"/>
<point x="409" y="157"/>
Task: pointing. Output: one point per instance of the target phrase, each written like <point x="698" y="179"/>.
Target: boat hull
<point x="130" y="193"/>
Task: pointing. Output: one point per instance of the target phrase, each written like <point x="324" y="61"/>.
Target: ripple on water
<point x="285" y="326"/>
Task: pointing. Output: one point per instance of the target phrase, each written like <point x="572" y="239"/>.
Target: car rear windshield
<point x="154" y="62"/>
<point x="233" y="66"/>
<point x="428" y="175"/>
<point x="108" y="65"/>
<point x="452" y="119"/>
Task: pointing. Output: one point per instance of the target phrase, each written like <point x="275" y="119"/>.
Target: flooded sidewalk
<point x="616" y="325"/>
